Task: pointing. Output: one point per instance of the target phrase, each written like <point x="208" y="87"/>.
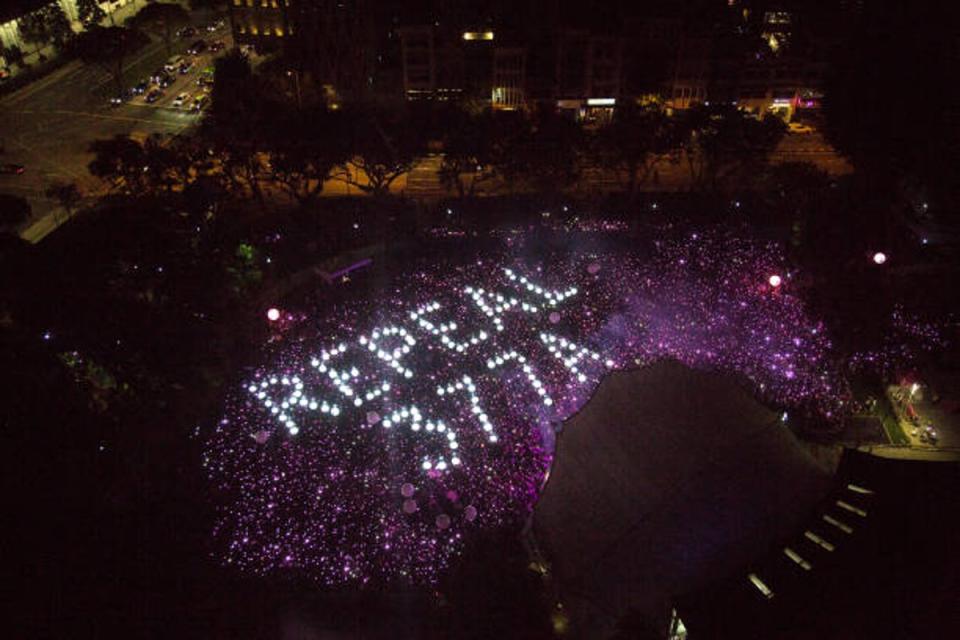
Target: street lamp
<point x="879" y="257"/>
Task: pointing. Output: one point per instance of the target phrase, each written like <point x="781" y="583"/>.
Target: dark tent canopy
<point x="668" y="479"/>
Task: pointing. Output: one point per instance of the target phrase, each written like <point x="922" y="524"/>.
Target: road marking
<point x="41" y="83"/>
<point x="44" y="158"/>
<point x="102" y="116"/>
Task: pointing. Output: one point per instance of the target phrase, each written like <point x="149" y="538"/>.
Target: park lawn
<point x="891" y="424"/>
<point x="862" y="389"/>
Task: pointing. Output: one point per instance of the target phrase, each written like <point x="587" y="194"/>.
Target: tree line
<point x="254" y="142"/>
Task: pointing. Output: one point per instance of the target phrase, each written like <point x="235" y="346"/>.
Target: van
<point x="173" y="63"/>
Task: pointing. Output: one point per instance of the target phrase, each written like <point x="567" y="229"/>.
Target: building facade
<point x="12" y="38"/>
<point x="446" y="63"/>
<point x="260" y="22"/>
<point x="509" y="78"/>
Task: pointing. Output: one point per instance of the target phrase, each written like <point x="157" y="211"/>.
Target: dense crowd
<point x="379" y="434"/>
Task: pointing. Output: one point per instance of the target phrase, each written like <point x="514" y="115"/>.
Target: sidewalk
<point x="44" y="226"/>
<point x="906" y="452"/>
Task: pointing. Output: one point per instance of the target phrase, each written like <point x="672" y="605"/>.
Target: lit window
<point x="273" y="3"/>
<point x="254" y="30"/>
<point x="278" y="31"/>
<point x="263" y="3"/>
<point x="478" y="35"/>
<point x="237" y="3"/>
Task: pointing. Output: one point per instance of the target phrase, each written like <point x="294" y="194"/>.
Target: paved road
<point x="810" y="147"/>
<point x="48" y="125"/>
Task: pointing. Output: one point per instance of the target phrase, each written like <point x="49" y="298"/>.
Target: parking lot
<point x="48" y="125"/>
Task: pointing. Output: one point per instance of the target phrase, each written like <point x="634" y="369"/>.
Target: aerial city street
<point x="497" y="319"/>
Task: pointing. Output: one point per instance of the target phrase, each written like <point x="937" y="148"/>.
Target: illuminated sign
<point x="478" y="35"/>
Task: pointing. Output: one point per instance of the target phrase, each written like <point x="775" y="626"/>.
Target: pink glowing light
<point x="879" y="257"/>
<point x="775" y="281"/>
<point x="419" y="496"/>
<point x="273" y="314"/>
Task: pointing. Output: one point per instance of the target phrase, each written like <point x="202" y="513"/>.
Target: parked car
<point x="799" y="127"/>
<point x="197" y="48"/>
<point x="11" y="169"/>
<point x="185" y="67"/>
<point x="140" y="88"/>
<point x="186" y="32"/>
<point x="181" y="100"/>
<point x="215" y="25"/>
<point x="205" y="77"/>
<point x="215" y="46"/>
<point x="173" y="63"/>
<point x="153" y="95"/>
<point x="121" y="98"/>
<point x="200" y="103"/>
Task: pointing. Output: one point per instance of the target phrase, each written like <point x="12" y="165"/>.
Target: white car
<point x="173" y="63"/>
<point x="182" y="100"/>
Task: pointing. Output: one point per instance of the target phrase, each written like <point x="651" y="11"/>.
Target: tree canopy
<point x="109" y="47"/>
<point x="722" y="142"/>
<point x="383" y="143"/>
<point x="48" y="24"/>
<point x="90" y="13"/>
<point x="164" y="17"/>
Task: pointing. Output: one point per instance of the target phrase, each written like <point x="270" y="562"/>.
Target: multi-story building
<point x="11" y="37"/>
<point x="446" y="63"/>
<point x="650" y="55"/>
<point x="419" y="62"/>
<point x="509" y="78"/>
<point x="332" y="39"/>
<point x="588" y="73"/>
<point x="690" y="77"/>
<point x="260" y="22"/>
